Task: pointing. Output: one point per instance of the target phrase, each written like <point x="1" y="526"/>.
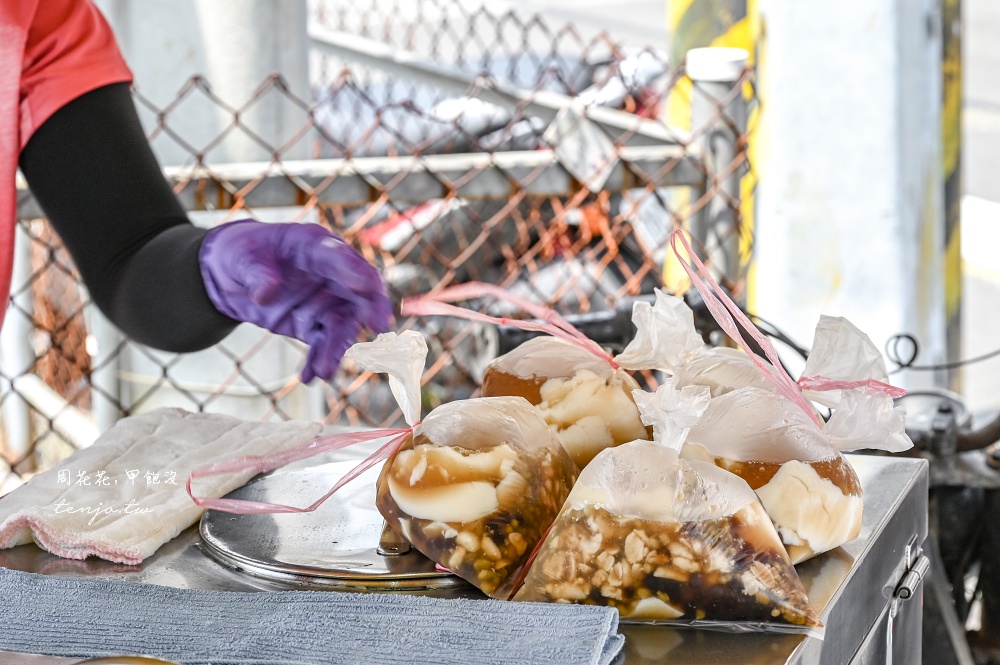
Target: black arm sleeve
<point x="95" y="176"/>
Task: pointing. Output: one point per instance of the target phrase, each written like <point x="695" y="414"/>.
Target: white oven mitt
<point x="125" y="496"/>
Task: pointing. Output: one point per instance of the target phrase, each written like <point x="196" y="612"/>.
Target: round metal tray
<point x="344" y="543"/>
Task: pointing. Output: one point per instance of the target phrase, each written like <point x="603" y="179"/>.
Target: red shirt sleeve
<point x="70" y="51"/>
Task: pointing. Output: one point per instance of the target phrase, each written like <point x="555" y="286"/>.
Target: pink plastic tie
<point x="555" y="325"/>
<point x="821" y="383"/>
<point x="263" y="463"/>
<point x="723" y="309"/>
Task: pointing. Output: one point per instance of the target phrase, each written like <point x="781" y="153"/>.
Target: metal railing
<point x="510" y="153"/>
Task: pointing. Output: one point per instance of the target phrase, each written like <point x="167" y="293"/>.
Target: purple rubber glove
<point x="297" y="280"/>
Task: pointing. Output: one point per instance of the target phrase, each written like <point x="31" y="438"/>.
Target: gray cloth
<point x="60" y="616"/>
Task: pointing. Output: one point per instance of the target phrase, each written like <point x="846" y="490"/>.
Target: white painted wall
<point x="850" y="217"/>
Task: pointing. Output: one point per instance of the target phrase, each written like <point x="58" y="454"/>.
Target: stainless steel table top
<point x="849" y="586"/>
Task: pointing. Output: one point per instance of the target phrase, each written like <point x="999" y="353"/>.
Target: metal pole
<point x="17" y="356"/>
<point x="244" y="42"/>
<point x="353" y="181"/>
<point x="951" y="147"/>
<point x="106" y="395"/>
<point x="69" y="422"/>
<point x="720" y="112"/>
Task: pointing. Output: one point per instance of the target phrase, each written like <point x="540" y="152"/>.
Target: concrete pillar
<point x="851" y="217"/>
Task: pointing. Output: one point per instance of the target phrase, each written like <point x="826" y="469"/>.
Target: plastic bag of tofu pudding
<point x="809" y="489"/>
<point x="474" y="485"/>
<point x="772" y="437"/>
<point x="574" y="385"/>
<point x="662" y="538"/>
<point x="586" y="399"/>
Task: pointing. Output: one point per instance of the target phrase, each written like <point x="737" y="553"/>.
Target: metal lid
<point x="343" y="543"/>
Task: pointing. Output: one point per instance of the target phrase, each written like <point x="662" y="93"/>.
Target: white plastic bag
<point x="475" y="487"/>
<point x="666" y="340"/>
<point x="842" y="357"/>
<point x="841" y="353"/>
<point x="663" y="538"/>
<point x="808" y="488"/>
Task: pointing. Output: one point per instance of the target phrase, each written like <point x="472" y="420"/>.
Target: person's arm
<point x="93" y="173"/>
<point x="170" y="285"/>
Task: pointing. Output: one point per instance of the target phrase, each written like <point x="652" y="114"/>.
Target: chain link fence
<point x="447" y="143"/>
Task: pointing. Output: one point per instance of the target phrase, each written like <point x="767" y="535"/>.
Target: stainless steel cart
<point x="868" y="592"/>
